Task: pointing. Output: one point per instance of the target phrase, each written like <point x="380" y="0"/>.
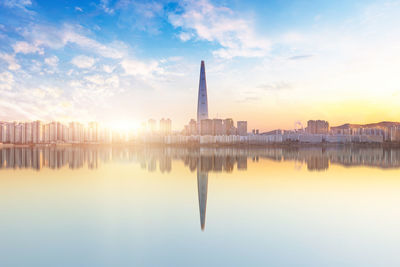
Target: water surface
<point x="113" y="206"/>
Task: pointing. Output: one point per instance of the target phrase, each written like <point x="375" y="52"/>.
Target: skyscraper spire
<point x="202" y="103"/>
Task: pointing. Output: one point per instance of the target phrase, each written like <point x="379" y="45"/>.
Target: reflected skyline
<point x="200" y="160"/>
<point x="204" y="159"/>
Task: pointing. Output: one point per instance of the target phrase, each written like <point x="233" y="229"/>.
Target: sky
<point x="272" y="63"/>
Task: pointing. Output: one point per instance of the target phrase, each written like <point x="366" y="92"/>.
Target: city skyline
<point x="271" y="64"/>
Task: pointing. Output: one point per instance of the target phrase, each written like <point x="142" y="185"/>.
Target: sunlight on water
<point x="105" y="206"/>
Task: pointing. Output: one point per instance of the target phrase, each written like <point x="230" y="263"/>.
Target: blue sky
<point x="269" y="62"/>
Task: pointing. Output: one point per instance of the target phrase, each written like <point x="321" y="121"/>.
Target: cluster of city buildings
<point x="37" y="132"/>
<point x="215" y="127"/>
<point x="204" y="126"/>
<point x="165" y="127"/>
<point x="204" y="130"/>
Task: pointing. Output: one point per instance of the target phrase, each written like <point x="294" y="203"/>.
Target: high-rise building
<point x="94" y="135"/>
<point x="229" y="127"/>
<point x="11" y="131"/>
<point x="317" y="127"/>
<point x="19" y="134"/>
<point x="192" y="127"/>
<point x="59" y="131"/>
<point x="23" y="133"/>
<point x="206" y="127"/>
<point x="242" y="128"/>
<point x="151" y="124"/>
<point x="3" y="136"/>
<point x="217" y="127"/>
<point x="46" y="133"/>
<point x="202" y="103"/>
<point x="165" y="126"/>
<point x="37" y="132"/>
<point x="53" y="132"/>
<point x="28" y="132"/>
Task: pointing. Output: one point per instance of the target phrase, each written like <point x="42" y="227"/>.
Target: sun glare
<point x="125" y="126"/>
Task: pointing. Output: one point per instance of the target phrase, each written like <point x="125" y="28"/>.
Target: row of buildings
<point x="165" y="126"/>
<point x="37" y="132"/>
<point x="386" y="131"/>
<point x="215" y="127"/>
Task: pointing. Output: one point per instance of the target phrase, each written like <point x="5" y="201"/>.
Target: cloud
<point x="139" y="68"/>
<point x="83" y="62"/>
<point x="276" y="86"/>
<point x="300" y="57"/>
<point x="6" y="80"/>
<point x="104" y="5"/>
<point x="52" y="61"/>
<point x="10" y="59"/>
<point x="56" y="38"/>
<point x="17" y="3"/>
<point x="97" y="79"/>
<point x="220" y="25"/>
<point x="108" y="68"/>
<point x="185" y="36"/>
<point x="142" y="15"/>
<point x="77" y="8"/>
<point x="26" y="48"/>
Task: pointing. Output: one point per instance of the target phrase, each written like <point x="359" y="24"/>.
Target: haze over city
<point x="271" y="63"/>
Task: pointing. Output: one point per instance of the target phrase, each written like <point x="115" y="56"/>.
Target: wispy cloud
<point x="27" y="48"/>
<point x="139" y="68"/>
<point x="17" y="3"/>
<point x="51" y="61"/>
<point x="104" y="4"/>
<point x="276" y="86"/>
<point x="300" y="57"/>
<point x="83" y="61"/>
<point x="53" y="37"/>
<point x="6" y="80"/>
<point x="219" y="24"/>
<point x="10" y="60"/>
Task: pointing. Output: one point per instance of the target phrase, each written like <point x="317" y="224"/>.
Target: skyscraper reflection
<point x="202" y="186"/>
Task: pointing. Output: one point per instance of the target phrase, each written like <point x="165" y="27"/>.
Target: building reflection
<point x="202" y="187"/>
<point x="205" y="159"/>
<point x="201" y="160"/>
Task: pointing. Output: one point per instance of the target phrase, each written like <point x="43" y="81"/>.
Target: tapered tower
<point x="202" y="102"/>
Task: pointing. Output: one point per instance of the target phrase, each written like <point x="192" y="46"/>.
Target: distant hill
<point x="369" y="125"/>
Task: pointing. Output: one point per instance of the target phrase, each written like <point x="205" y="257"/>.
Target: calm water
<point x="97" y="206"/>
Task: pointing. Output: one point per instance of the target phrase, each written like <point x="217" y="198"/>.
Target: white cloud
<point x="83" y="62"/>
<point x="77" y="8"/>
<point x="17" y="3"/>
<point x="185" y="36"/>
<point x="27" y="48"/>
<point x="105" y="7"/>
<point x="10" y="59"/>
<point x="139" y="68"/>
<point x="52" y="61"/>
<point x="208" y="22"/>
<point x="108" y="68"/>
<point x="56" y="38"/>
<point x="6" y="80"/>
<point x="96" y="79"/>
<point x="112" y="81"/>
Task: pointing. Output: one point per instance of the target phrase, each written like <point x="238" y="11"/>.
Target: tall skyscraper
<point x="202" y="103"/>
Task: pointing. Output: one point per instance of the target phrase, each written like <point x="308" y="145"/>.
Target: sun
<point x="125" y="126"/>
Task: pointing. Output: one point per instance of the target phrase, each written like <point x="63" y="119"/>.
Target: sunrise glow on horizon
<point x="270" y="63"/>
